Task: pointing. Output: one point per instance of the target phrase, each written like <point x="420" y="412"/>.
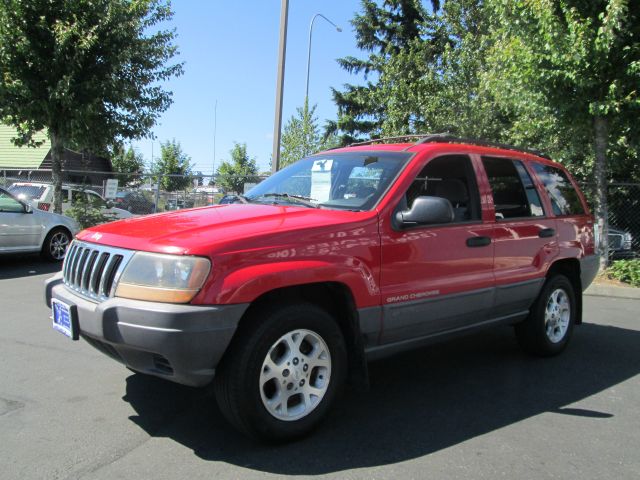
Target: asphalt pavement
<point x="475" y="408"/>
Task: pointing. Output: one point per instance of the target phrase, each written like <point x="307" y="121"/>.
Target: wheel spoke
<point x="288" y="372"/>
<point x="557" y="315"/>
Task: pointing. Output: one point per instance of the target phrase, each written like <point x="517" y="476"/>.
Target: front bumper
<point x="182" y="343"/>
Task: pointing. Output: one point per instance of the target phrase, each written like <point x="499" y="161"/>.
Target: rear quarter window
<point x="562" y="194"/>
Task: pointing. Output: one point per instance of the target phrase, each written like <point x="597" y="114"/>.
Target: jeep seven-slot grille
<point x="93" y="270"/>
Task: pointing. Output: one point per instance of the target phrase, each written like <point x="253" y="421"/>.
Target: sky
<point x="230" y="50"/>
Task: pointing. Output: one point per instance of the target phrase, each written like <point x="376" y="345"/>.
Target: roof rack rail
<point x="385" y="139"/>
<point x="448" y="138"/>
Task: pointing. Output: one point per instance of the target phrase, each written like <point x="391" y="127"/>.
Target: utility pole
<point x="275" y="158"/>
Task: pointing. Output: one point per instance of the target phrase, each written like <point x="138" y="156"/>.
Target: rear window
<point x="562" y="194"/>
<point x="27" y="192"/>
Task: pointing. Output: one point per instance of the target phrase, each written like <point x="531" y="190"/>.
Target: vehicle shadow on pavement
<point x="18" y="266"/>
<point x="419" y="402"/>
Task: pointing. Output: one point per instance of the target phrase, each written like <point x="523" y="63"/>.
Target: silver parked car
<point x="25" y="229"/>
<point x="40" y="196"/>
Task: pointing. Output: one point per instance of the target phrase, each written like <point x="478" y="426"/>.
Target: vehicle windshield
<point x="347" y="181"/>
<point x="27" y="192"/>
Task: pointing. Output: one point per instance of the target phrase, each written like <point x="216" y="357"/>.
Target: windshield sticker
<point x="321" y="180"/>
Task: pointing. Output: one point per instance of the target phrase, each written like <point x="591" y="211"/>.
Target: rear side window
<point x="514" y="193"/>
<point x="563" y="196"/>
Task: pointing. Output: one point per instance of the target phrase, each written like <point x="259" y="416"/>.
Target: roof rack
<point x="448" y="138"/>
<point x="385" y="139"/>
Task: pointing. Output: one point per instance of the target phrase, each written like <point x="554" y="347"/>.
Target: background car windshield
<point x="26" y="192"/>
<point x="350" y="181"/>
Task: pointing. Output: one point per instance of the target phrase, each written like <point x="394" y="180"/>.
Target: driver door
<point x="437" y="278"/>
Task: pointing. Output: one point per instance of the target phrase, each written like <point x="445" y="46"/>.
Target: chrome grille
<point x="93" y="270"/>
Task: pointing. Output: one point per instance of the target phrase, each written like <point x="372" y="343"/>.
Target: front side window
<point x="451" y="177"/>
<point x="345" y="181"/>
<point x="563" y="196"/>
<point x="514" y="194"/>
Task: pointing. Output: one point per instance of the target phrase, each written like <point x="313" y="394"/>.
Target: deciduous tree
<point x="241" y="169"/>
<point x="129" y="164"/>
<point x="86" y="71"/>
<point x="173" y="168"/>
<point x="577" y="64"/>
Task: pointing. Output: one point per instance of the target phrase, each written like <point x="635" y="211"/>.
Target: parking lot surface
<point x="474" y="408"/>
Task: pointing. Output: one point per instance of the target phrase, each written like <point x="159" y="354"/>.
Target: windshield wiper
<point x="306" y="201"/>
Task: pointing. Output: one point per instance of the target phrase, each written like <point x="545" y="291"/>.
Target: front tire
<point x="548" y="328"/>
<point x="55" y="245"/>
<point x="282" y="372"/>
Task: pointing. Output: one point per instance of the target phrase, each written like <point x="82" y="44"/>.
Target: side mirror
<point x="28" y="208"/>
<point x="110" y="203"/>
<point x="425" y="211"/>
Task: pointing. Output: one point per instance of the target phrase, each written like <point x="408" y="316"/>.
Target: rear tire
<point x="56" y="244"/>
<point x="282" y="372"/>
<point x="548" y="328"/>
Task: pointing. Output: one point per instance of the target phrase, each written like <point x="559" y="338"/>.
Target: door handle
<point x="547" y="232"/>
<point x="478" y="241"/>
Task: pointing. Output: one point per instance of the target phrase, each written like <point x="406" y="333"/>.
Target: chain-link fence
<point x="139" y="194"/>
<point x="623" y="201"/>
<point x="145" y="193"/>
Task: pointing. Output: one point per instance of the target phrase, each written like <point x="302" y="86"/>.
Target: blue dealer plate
<point x="63" y="319"/>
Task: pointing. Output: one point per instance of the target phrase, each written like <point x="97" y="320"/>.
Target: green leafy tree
<point x="86" y="71"/>
<point x="173" y="168"/>
<point x="241" y="169"/>
<point x="129" y="164"/>
<point x="301" y="136"/>
<point x="577" y="64"/>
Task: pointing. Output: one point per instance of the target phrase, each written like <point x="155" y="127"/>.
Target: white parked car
<point x="40" y="195"/>
<point x="27" y="229"/>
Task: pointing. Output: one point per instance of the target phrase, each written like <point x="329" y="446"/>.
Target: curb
<point x="596" y="290"/>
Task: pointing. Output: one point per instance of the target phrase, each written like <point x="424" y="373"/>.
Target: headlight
<point x="163" y="278"/>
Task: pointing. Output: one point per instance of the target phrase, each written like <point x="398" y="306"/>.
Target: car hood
<point x="203" y="231"/>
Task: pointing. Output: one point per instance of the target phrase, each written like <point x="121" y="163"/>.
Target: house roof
<point x="21" y="157"/>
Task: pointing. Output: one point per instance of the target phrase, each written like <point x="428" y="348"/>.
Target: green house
<point x="34" y="164"/>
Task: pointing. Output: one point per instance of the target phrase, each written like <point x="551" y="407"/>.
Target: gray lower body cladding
<point x="182" y="343"/>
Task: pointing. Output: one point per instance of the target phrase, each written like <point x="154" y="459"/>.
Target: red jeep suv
<point x="345" y="256"/>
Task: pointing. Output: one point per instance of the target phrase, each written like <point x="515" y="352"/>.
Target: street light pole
<point x="306" y="91"/>
<point x="275" y="157"/>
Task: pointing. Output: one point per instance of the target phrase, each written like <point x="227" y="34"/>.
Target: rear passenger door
<point x="436" y="278"/>
<point x="525" y="238"/>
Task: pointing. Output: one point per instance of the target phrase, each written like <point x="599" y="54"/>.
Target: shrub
<point x="85" y="214"/>
<point x="627" y="271"/>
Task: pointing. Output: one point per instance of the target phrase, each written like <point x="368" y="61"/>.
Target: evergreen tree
<point x="384" y="31"/>
<point x="300" y="137"/>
